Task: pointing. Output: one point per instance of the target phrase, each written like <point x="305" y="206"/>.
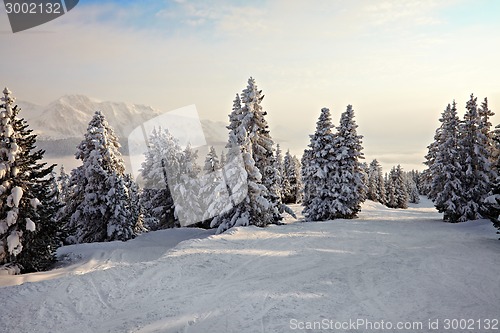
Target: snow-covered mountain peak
<point x="68" y="116"/>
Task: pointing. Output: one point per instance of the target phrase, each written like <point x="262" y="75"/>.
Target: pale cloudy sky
<point x="397" y="62"/>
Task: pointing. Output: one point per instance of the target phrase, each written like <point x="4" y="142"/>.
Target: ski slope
<point x="390" y="265"/>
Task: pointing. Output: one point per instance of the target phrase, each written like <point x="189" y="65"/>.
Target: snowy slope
<point x="391" y="265"/>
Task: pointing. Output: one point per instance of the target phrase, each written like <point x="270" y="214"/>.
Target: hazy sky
<point x="397" y="62"/>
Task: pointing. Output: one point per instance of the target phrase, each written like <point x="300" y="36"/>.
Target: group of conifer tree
<point x="336" y="182"/>
<point x="462" y="175"/>
<point x="395" y="189"/>
<point x="250" y="184"/>
<point x="98" y="201"/>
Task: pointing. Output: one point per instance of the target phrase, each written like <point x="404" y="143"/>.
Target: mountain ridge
<point x="67" y="118"/>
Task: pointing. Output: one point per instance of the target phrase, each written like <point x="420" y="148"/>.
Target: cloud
<point x="398" y="62"/>
<point x="419" y="12"/>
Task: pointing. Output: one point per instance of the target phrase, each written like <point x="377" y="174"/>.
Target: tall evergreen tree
<point x="306" y="173"/>
<point x="161" y="165"/>
<point x="390" y="190"/>
<point x="291" y="179"/>
<point x="236" y="115"/>
<point x="213" y="190"/>
<point x="247" y="203"/>
<point x="189" y="207"/>
<point x="98" y="209"/>
<point x="476" y="169"/>
<point x="39" y="252"/>
<point x="348" y="175"/>
<point x="446" y="184"/>
<point x="492" y="201"/>
<point x="416" y="176"/>
<point x="397" y="194"/>
<point x="27" y="232"/>
<point x="296" y="180"/>
<point x="318" y="164"/>
<point x="253" y="121"/>
<point x="485" y="114"/>
<point x="280" y="172"/>
<point x="212" y="162"/>
<point x="63" y="181"/>
<point x="411" y="189"/>
<point x="125" y="218"/>
<point x="376" y="185"/>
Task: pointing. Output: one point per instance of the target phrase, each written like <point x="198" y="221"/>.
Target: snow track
<point x="390" y="265"/>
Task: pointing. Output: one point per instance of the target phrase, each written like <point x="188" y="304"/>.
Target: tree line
<point x="250" y="183"/>
<point x="462" y="175"/>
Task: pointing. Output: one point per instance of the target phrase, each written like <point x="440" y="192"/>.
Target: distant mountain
<point x="60" y="125"/>
<point x="68" y="116"/>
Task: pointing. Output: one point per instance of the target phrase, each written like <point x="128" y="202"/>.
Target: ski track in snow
<point x="391" y="265"/>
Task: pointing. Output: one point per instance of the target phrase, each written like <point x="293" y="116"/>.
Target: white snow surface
<point x="30" y="225"/>
<point x="391" y="265"/>
<point x="17" y="194"/>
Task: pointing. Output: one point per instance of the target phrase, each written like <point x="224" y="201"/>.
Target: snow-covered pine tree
<point x="485" y="114"/>
<point x="492" y="201"/>
<point x="40" y="245"/>
<point x="306" y="168"/>
<point x="488" y="135"/>
<point x="125" y="220"/>
<point x="247" y="203"/>
<point x="348" y="174"/>
<point x="63" y="181"/>
<point x="235" y="115"/>
<point x="364" y="171"/>
<point x="58" y="201"/>
<point x="495" y="141"/>
<point x="296" y="180"/>
<point x="318" y="164"/>
<point x="411" y="189"/>
<point x="416" y="176"/>
<point x="97" y="208"/>
<point x="211" y="191"/>
<point x="424" y="187"/>
<point x="400" y="188"/>
<point x="291" y="179"/>
<point x="212" y="162"/>
<point x="186" y="189"/>
<point x="24" y="227"/>
<point x="476" y="169"/>
<point x="253" y="120"/>
<point x="280" y="172"/>
<point x="376" y="186"/>
<point x="222" y="159"/>
<point x="446" y="170"/>
<point x="390" y="190"/>
<point x="162" y="160"/>
<point x="134" y="202"/>
<point x="397" y="194"/>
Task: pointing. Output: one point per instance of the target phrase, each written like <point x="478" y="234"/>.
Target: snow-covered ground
<point x="390" y="265"/>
